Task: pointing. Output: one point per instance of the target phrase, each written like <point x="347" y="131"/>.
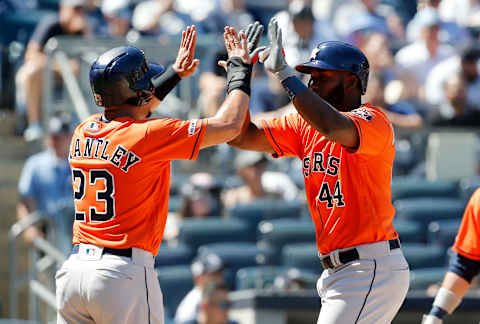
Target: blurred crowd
<point x="423" y="73"/>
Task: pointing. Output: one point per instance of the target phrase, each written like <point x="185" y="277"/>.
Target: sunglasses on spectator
<point x="223" y="305"/>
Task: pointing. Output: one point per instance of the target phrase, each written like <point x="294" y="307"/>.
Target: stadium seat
<point x="302" y="255"/>
<point x="16" y="321"/>
<point x="176" y="282"/>
<point x="177" y="255"/>
<point x="443" y="232"/>
<point x="410" y="231"/>
<point x="424" y="256"/>
<point x="263" y="277"/>
<point x="423" y="278"/>
<point x="196" y="232"/>
<point x="410" y="187"/>
<point x="236" y="255"/>
<point x="425" y="210"/>
<point x="279" y="232"/>
<point x="468" y="187"/>
<point x="265" y="209"/>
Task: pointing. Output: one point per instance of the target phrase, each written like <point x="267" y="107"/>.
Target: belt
<point x="120" y="252"/>
<point x="352" y="255"/>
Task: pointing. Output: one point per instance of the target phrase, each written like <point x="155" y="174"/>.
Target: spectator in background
<point x="117" y="14"/>
<point x="464" y="64"/>
<point x="455" y="110"/>
<point x="384" y="17"/>
<point x="449" y="32"/>
<point x="45" y="185"/>
<point x="214" y="305"/>
<point x="159" y="18"/>
<point x="259" y="183"/>
<point x="206" y="269"/>
<point x="377" y="49"/>
<point x="231" y="13"/>
<point x="402" y="114"/>
<point x="71" y="20"/>
<point x="421" y="56"/>
<point x="463" y="12"/>
<point x="212" y="85"/>
<point x="302" y="31"/>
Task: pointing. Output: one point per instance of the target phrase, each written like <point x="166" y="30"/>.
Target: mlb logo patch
<point x="92" y="127"/>
<point x="363" y="113"/>
<point x="192" y="127"/>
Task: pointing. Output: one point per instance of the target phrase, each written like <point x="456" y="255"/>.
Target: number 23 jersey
<point x="121" y="178"/>
<point x="348" y="191"/>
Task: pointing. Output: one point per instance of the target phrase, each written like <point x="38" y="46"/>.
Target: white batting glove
<point x="430" y="319"/>
<point x="274" y="56"/>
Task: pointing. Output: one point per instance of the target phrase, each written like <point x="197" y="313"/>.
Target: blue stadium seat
<point x="410" y="231"/>
<point x="265" y="209"/>
<point x="409" y="187"/>
<point x="236" y="255"/>
<point x="174" y="203"/>
<point x="443" y="232"/>
<point x="302" y="255"/>
<point x="177" y="255"/>
<point x="424" y="256"/>
<point x="279" y="232"/>
<point x="425" y="210"/>
<point x="423" y="278"/>
<point x="196" y="232"/>
<point x="263" y="277"/>
<point x="468" y="187"/>
<point x="175" y="282"/>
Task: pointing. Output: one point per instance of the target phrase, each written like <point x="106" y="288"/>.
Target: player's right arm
<point x="252" y="137"/>
<point x="227" y="123"/>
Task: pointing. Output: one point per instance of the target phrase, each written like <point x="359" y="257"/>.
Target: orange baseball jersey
<point x="348" y="192"/>
<point x="121" y="178"/>
<point x="467" y="242"/>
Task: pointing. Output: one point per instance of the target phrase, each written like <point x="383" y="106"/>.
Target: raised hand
<point x="254" y="33"/>
<point x="236" y="44"/>
<point x="185" y="64"/>
<point x="274" y="56"/>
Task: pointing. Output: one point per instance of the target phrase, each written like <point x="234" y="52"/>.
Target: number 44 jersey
<point x="121" y="178"/>
<point x="348" y="191"/>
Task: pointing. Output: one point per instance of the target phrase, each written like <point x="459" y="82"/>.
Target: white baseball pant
<point x="97" y="288"/>
<point x="369" y="290"/>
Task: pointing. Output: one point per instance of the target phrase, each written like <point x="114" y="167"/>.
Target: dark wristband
<point x="165" y="82"/>
<point x="438" y="312"/>
<point x="293" y="86"/>
<point x="238" y="75"/>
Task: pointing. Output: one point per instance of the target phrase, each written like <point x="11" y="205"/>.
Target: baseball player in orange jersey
<point x="464" y="267"/>
<point x="120" y="163"/>
<point x="347" y="150"/>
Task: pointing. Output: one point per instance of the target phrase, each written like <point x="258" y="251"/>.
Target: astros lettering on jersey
<point x="337" y="177"/>
<point x="116" y="200"/>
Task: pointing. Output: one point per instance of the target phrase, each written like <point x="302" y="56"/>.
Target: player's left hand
<point x="274" y="56"/>
<point x="185" y="64"/>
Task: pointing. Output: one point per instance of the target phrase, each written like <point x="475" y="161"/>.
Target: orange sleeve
<point x="284" y="135"/>
<point x="467" y="242"/>
<point x="374" y="129"/>
<point x="173" y="139"/>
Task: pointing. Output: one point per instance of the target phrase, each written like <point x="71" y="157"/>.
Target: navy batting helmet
<point x="122" y="75"/>
<point x="334" y="55"/>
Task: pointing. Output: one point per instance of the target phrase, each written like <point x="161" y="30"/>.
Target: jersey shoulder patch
<point x="363" y="113"/>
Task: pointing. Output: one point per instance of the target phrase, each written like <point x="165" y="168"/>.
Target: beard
<point x="335" y="97"/>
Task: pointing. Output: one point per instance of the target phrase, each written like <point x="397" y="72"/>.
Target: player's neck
<point x="137" y="113"/>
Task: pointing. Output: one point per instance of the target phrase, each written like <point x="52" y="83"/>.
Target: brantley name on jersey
<point x="96" y="148"/>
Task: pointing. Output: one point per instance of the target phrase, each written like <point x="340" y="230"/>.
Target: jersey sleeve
<point x="284" y="135"/>
<point x="374" y="129"/>
<point x="173" y="139"/>
<point x="467" y="242"/>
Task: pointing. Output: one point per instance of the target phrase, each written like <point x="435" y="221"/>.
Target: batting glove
<point x="274" y="56"/>
<point x="430" y="319"/>
<point x="253" y="34"/>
